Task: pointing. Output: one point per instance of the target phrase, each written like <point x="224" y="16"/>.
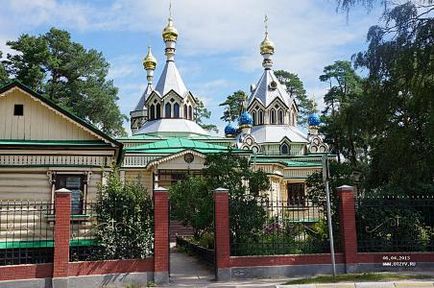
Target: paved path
<point x="400" y="284"/>
<point x="187" y="271"/>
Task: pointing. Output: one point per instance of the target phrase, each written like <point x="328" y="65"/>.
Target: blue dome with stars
<point x="230" y="129"/>
<point x="245" y="119"/>
<point x="314" y="120"/>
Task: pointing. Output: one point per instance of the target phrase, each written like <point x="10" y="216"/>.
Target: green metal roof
<point x="287" y="163"/>
<point x="18" y="142"/>
<point x="175" y="145"/>
<point x="141" y="137"/>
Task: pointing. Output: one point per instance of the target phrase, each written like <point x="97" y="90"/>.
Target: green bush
<point x="125" y="220"/>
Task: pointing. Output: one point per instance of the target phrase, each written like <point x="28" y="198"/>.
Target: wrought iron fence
<point x="26" y="232"/>
<point x="395" y="223"/>
<point x="112" y="232"/>
<point x="263" y="227"/>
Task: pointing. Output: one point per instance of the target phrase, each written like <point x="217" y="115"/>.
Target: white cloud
<point x="308" y="35"/>
<point x="125" y="66"/>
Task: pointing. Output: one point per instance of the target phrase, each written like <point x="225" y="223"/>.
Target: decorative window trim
<point x="283" y="146"/>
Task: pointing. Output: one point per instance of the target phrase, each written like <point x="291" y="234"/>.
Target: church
<point x="167" y="143"/>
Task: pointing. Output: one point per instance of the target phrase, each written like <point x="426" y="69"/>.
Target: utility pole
<point x="325" y="176"/>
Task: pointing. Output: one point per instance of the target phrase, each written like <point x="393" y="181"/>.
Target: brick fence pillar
<point x="161" y="236"/>
<point x="347" y="221"/>
<point x="62" y="226"/>
<point x="222" y="238"/>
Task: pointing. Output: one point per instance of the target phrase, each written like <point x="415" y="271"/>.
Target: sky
<point x="218" y="44"/>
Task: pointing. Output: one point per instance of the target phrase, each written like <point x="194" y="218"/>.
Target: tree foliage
<point x="192" y="203"/>
<point x="295" y="88"/>
<point x="341" y="114"/>
<point x="392" y="119"/>
<point x="192" y="200"/>
<point x="3" y="74"/>
<point x="69" y="75"/>
<point x="399" y="96"/>
<point x="125" y="220"/>
<point x="203" y="113"/>
<point x="233" y="105"/>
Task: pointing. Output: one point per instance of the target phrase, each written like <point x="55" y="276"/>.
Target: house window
<point x="185" y="112"/>
<point x="176" y="110"/>
<point x="18" y="110"/>
<point x="75" y="183"/>
<point x="158" y="111"/>
<point x="190" y="113"/>
<point x="284" y="149"/>
<point x="296" y="194"/>
<point x="168" y="110"/>
<point x="254" y="118"/>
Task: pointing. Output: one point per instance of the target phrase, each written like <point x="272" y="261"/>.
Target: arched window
<point x="176" y="110"/>
<point x="185" y="112"/>
<point x="261" y="117"/>
<point x="158" y="112"/>
<point x="190" y="112"/>
<point x="280" y="117"/>
<point x="273" y="116"/>
<point x="284" y="149"/>
<point x="254" y="118"/>
<point x="168" y="110"/>
<point x="152" y="112"/>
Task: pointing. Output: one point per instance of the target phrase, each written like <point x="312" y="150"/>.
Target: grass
<point x="362" y="277"/>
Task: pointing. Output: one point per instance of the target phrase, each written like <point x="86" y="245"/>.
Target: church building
<point x="167" y="142"/>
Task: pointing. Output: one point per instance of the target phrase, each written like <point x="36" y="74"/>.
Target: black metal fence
<point x="26" y="232"/>
<point x="395" y="223"/>
<point x="263" y="227"/>
<point x="112" y="231"/>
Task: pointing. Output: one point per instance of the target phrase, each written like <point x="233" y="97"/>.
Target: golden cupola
<point x="169" y="32"/>
<point x="267" y="46"/>
<point x="149" y="62"/>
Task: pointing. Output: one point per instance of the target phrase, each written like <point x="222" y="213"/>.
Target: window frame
<point x="83" y="188"/>
<point x="298" y="197"/>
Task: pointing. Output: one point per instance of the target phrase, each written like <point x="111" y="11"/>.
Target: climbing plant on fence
<point x="393" y="223"/>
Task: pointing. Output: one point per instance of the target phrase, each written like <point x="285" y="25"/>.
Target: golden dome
<point x="169" y="32"/>
<point x="150" y="63"/>
<point x="267" y="46"/>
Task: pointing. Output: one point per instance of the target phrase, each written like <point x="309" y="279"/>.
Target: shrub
<point x="125" y="220"/>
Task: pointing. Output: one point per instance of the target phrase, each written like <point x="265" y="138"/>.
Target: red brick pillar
<point x="222" y="236"/>
<point x="62" y="225"/>
<point x="161" y="236"/>
<point x="347" y="221"/>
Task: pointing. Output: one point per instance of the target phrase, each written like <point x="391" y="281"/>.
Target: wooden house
<point x="44" y="147"/>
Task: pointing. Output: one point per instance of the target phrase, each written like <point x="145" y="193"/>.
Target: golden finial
<point x="169" y="32"/>
<point x="267" y="46"/>
<point x="149" y="63"/>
